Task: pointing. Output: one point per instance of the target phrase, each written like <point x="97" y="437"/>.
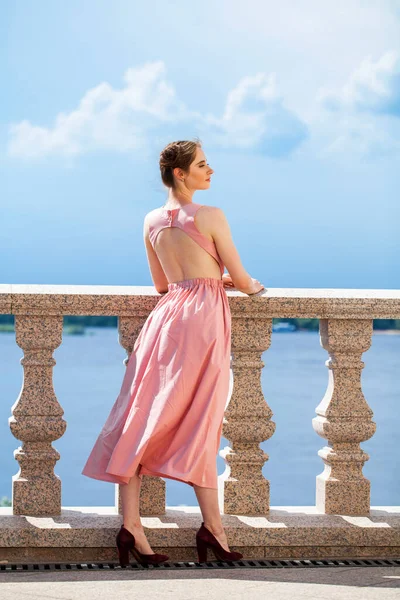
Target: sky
<point x="297" y="105"/>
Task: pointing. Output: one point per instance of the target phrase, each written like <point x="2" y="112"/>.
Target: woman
<point x="167" y="419"/>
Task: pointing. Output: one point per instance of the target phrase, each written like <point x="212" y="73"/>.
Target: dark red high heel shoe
<point x="205" y="539"/>
<point x="126" y="543"/>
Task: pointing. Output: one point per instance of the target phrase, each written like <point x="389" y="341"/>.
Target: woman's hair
<point x="177" y="154"/>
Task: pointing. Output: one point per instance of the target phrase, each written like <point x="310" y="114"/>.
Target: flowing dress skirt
<point x="168" y="416"/>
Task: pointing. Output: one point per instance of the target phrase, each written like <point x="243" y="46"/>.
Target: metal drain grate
<point x="240" y="564"/>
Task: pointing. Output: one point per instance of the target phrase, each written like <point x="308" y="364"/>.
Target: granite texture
<point x="247" y="420"/>
<point x="5" y="299"/>
<point x="139" y="300"/>
<point x="88" y="533"/>
<point x="152" y="496"/>
<point x="344" y="419"/>
<point x="37" y="418"/>
<point x="83" y="300"/>
<point x="110" y="554"/>
<point x="128" y="332"/>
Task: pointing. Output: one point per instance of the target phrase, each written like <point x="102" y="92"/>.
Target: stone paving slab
<point x="353" y="583"/>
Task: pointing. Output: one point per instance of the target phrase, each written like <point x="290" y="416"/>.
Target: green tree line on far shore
<point x="80" y="322"/>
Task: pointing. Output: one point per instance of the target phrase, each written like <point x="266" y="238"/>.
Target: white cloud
<point x="256" y="120"/>
<point x="360" y="117"/>
<point x="309" y="43"/>
<point x="373" y="87"/>
<point x="106" y="118"/>
<point x="368" y="139"/>
<point x="125" y="119"/>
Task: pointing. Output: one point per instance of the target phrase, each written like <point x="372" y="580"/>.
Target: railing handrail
<point x="110" y="300"/>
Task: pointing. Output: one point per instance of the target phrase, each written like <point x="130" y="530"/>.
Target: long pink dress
<point x="168" y="415"/>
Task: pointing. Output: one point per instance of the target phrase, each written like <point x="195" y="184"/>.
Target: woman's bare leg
<point x="208" y="502"/>
<point x="130" y="494"/>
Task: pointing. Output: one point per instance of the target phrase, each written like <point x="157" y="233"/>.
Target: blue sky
<point x="297" y="106"/>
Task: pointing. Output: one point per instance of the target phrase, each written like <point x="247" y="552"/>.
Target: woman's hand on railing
<point x="227" y="280"/>
<point x="254" y="287"/>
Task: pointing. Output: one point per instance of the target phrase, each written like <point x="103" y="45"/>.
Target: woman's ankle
<point x="133" y="526"/>
<point x="215" y="528"/>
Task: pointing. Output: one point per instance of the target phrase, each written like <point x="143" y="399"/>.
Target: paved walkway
<point x="336" y="583"/>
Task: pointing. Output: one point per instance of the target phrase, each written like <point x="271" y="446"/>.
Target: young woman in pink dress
<point x="167" y="419"/>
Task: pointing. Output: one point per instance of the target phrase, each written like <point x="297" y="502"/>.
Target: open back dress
<point x="168" y="415"/>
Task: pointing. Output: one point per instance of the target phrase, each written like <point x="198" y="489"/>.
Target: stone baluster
<point x="344" y="419"/>
<point x="37" y="418"/>
<point x="247" y="420"/>
<point x="152" y="491"/>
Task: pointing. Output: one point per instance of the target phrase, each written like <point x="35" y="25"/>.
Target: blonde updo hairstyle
<point x="180" y="155"/>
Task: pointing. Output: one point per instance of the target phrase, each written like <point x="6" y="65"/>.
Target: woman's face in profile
<point x="199" y="172"/>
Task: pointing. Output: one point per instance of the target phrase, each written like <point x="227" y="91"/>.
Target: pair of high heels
<point x="126" y="544"/>
<point x="204" y="540"/>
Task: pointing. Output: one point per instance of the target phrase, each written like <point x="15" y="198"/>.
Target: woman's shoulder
<point x="210" y="213"/>
<point x="208" y="219"/>
<point x="154" y="210"/>
<point x="151" y="219"/>
<point x="209" y="209"/>
<point x="153" y="213"/>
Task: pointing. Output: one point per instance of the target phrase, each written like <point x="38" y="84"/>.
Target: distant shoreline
<point x="80" y="329"/>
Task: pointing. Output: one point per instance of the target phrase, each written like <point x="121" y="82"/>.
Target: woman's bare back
<point x="183" y="258"/>
<point x="176" y="254"/>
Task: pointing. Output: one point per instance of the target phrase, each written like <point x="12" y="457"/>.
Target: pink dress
<point x="168" y="415"/>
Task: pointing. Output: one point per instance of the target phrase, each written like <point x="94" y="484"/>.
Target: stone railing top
<point x="52" y="300"/>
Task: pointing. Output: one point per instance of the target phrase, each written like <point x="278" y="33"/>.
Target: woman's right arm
<point x="226" y="248"/>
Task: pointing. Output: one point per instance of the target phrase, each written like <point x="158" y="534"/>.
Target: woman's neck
<point x="179" y="200"/>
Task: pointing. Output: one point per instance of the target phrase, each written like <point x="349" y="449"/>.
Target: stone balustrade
<point x="343" y="417"/>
